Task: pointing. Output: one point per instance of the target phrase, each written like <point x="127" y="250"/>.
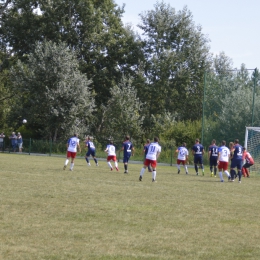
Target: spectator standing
<point x="2" y="136"/>
<point x="13" y="139"/>
<point x="19" y="142"/>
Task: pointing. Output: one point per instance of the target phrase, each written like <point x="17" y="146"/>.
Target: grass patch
<point x="93" y="213"/>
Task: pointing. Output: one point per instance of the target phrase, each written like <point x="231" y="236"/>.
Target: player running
<point x="91" y="150"/>
<point x="145" y="151"/>
<point x="128" y="148"/>
<point x="183" y="155"/>
<point x="111" y="155"/>
<point x="72" y="145"/>
<point x="151" y="158"/>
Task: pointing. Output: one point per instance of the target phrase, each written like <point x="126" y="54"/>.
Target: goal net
<point x="252" y="144"/>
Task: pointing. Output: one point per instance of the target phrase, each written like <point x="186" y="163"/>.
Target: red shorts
<point x="222" y="165"/>
<point x="71" y="154"/>
<point x="153" y="163"/>
<point x="111" y="157"/>
<point x="181" y="161"/>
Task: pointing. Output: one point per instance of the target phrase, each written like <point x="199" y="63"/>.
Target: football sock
<point x="109" y="164"/>
<point x="116" y="164"/>
<point x="66" y="162"/>
<point x="215" y="170"/>
<point x="186" y="168"/>
<point x="125" y="166"/>
<point x="196" y="167"/>
<point x="239" y="175"/>
<point x="142" y="172"/>
<point x="154" y="174"/>
<point x="233" y="173"/>
<point x="211" y="168"/>
<point x="227" y="173"/>
<point x="220" y="176"/>
<point x="95" y="160"/>
<point x="178" y="166"/>
<point x="71" y="166"/>
<point x="87" y="159"/>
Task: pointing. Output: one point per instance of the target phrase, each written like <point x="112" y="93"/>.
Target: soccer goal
<point x="252" y="144"/>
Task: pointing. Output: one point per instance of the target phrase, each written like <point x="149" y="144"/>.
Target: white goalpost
<point x="252" y="144"/>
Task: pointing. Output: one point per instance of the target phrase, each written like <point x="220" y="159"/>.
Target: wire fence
<point x="31" y="146"/>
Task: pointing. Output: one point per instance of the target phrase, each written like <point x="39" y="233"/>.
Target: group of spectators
<point x="16" y="141"/>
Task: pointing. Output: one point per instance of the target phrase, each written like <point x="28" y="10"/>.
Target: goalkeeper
<point x="249" y="162"/>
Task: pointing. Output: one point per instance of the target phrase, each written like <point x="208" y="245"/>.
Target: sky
<point x="232" y="26"/>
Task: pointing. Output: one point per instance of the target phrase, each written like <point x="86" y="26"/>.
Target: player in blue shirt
<point x="213" y="157"/>
<point x="91" y="150"/>
<point x="198" y="151"/>
<point x="237" y="161"/>
<point x="127" y="147"/>
<point x="146" y="147"/>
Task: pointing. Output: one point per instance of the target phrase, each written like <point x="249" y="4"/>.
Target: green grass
<point x="93" y="213"/>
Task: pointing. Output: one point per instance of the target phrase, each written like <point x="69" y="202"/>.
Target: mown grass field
<point x="93" y="213"/>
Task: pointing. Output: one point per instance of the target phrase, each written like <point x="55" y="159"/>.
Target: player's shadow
<point x="207" y="180"/>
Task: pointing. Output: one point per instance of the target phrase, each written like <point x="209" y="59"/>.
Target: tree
<point x="123" y="113"/>
<point x="106" y="50"/>
<point x="177" y="55"/>
<point x="4" y="5"/>
<point x="228" y="102"/>
<point x="53" y="94"/>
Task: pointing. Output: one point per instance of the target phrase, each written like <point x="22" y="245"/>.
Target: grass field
<point x="93" y="213"/>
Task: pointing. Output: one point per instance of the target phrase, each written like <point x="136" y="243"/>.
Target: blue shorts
<point x="198" y="159"/>
<point x="126" y="157"/>
<point x="236" y="163"/>
<point x="213" y="161"/>
<point x="91" y="152"/>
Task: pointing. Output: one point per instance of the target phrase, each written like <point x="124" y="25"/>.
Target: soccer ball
<point x="24" y="121"/>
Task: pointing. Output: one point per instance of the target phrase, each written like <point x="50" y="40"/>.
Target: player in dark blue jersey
<point x="237" y="161"/>
<point x="128" y="148"/>
<point x="198" y="151"/>
<point x="91" y="150"/>
<point x="146" y="147"/>
<point x="213" y="157"/>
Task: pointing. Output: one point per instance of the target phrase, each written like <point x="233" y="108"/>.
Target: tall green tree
<point x="53" y="94"/>
<point x="123" y="113"/>
<point x="105" y="48"/>
<point x="4" y="5"/>
<point x="177" y="54"/>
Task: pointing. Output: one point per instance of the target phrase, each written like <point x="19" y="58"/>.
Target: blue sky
<point x="232" y="26"/>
